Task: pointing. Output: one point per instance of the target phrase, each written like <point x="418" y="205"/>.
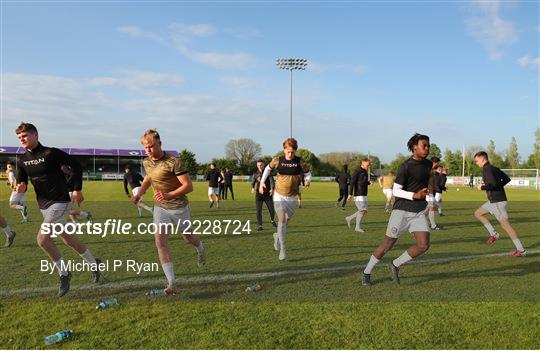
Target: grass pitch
<point x="462" y="294"/>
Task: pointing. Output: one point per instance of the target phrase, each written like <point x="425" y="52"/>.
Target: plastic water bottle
<point x="106" y="303"/>
<point x="155" y="292"/>
<point x="53" y="339"/>
<point x="253" y="288"/>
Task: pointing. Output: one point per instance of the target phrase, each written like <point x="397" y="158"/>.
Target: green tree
<point x="188" y="161"/>
<point x="470" y="165"/>
<point x="244" y="152"/>
<point x="512" y="155"/>
<point x="494" y="158"/>
<point x="398" y="160"/>
<point x="434" y="150"/>
<point x="452" y="161"/>
<point x="534" y="158"/>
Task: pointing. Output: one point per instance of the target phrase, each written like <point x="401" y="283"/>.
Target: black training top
<point x="343" y="179"/>
<point x="494" y="181"/>
<point x="228" y="178"/>
<point x="442" y="182"/>
<point x="134" y="180"/>
<point x="359" y="183"/>
<point x="435" y="182"/>
<point x="413" y="175"/>
<point x="43" y="166"/>
<point x="214" y="177"/>
<point x="256" y="182"/>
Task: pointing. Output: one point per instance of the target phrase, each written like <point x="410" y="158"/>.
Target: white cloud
<point x="238" y="60"/>
<point x="139" y="80"/>
<point x="244" y="33"/>
<point x="527" y="61"/>
<point x="136" y="32"/>
<point x="199" y="30"/>
<point x="484" y="22"/>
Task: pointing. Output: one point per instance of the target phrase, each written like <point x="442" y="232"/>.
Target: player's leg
<point x="431" y="212"/>
<point x="270" y="205"/>
<point x="9" y="232"/>
<point x="258" y="206"/>
<point x="232" y="191"/>
<point x="210" y="198"/>
<point x="438" y="203"/>
<point x="161" y="219"/>
<point x="502" y="217"/>
<point x="480" y="214"/>
<point x="183" y="217"/>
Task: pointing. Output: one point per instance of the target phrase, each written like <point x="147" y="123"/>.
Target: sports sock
<point x="518" y="244"/>
<point x="139" y="210"/>
<point x="88" y="257"/>
<point x="8" y="231"/>
<point x="148" y="208"/>
<point x="19" y="207"/>
<point x="489" y="228"/>
<point x="439" y="205"/>
<point x="351" y="217"/>
<point x="281" y="229"/>
<point x="61" y="267"/>
<point x="169" y="272"/>
<point x="359" y="216"/>
<point x="431" y="216"/>
<point x="200" y="248"/>
<point x="372" y="262"/>
<point x="84" y="214"/>
<point x="404" y="258"/>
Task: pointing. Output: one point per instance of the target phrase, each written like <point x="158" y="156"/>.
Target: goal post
<point x="523" y="177"/>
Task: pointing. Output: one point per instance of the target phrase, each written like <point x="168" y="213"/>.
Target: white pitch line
<point x="220" y="278"/>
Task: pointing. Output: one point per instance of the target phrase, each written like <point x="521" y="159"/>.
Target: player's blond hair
<point x="150" y="135"/>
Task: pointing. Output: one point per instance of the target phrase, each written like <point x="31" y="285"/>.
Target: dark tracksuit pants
<point x="267" y="199"/>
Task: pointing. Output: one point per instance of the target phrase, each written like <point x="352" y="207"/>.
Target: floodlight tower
<point x="291" y="64"/>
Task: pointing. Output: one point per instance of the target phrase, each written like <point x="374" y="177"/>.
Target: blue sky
<point x="99" y="74"/>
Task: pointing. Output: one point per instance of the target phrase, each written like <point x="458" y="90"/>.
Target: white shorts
<point x="430" y="199"/>
<point x="401" y="221"/>
<point x="284" y="204"/>
<point x="17" y="197"/>
<point x="56" y="213"/>
<point x="213" y="191"/>
<point x="387" y="193"/>
<point x="361" y="203"/>
<point x="135" y="191"/>
<point x="438" y="197"/>
<point x="180" y="216"/>
<point x="497" y="209"/>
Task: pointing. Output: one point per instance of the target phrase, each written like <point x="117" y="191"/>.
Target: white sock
<point x="19" y="207"/>
<point x="281" y="229"/>
<point x="404" y="258"/>
<point x="518" y="244"/>
<point x="148" y="208"/>
<point x="200" y="248"/>
<point x="351" y="217"/>
<point x="359" y="216"/>
<point x="8" y="231"/>
<point x="169" y="272"/>
<point x="431" y="216"/>
<point x="61" y="267"/>
<point x="439" y="205"/>
<point x="489" y="228"/>
<point x="84" y="214"/>
<point x="139" y="210"/>
<point x="372" y="262"/>
<point x="88" y="257"/>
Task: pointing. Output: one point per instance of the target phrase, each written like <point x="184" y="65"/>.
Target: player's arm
<point x="76" y="178"/>
<point x="126" y="185"/>
<point x="380" y="181"/>
<point x="144" y="186"/>
<point x="253" y="183"/>
<point x="354" y="179"/>
<point x="22" y="178"/>
<point x="505" y="179"/>
<point x="186" y="186"/>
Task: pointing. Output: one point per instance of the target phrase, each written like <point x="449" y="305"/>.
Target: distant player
<point x="434" y="188"/>
<point x="410" y="190"/>
<point x="359" y="190"/>
<point x="471" y="181"/>
<point x="171" y="183"/>
<point x="43" y="167"/>
<point x="75" y="208"/>
<point x="228" y="179"/>
<point x="343" y="179"/>
<point x="214" y="177"/>
<point x="387" y="183"/>
<point x="134" y="179"/>
<point x="290" y="170"/>
<point x="266" y="197"/>
<point x="442" y="187"/>
<point x="10" y="234"/>
<point x="221" y="184"/>
<point x="16" y="201"/>
<point x="493" y="182"/>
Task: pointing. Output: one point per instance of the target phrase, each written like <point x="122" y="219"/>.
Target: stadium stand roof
<point x="17" y="150"/>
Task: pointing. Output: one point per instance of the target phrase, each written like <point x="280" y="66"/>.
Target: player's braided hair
<point x="415" y="139"/>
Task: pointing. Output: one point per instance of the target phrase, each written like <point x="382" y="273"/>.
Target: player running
<point x="493" y="182"/>
<point x="16" y="201"/>
<point x="43" y="167"/>
<point x="134" y="179"/>
<point x="343" y="179"/>
<point x="171" y="183"/>
<point x="387" y="183"/>
<point x="214" y="177"/>
<point x="359" y="190"/>
<point x="266" y="197"/>
<point x="410" y="190"/>
<point x="290" y="169"/>
<point x="434" y="188"/>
